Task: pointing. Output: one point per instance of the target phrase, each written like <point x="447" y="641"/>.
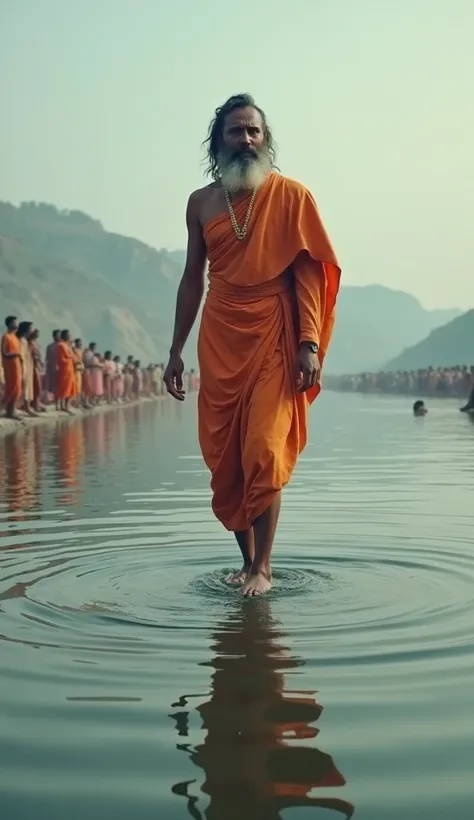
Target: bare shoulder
<point x="205" y="202"/>
<point x="203" y="194"/>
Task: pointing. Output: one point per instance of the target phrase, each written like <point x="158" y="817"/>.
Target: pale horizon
<point x="105" y="107"/>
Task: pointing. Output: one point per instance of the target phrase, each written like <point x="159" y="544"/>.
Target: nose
<point x="246" y="140"/>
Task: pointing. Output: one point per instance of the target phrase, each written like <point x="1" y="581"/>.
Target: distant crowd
<point x="455" y="382"/>
<point x="70" y="375"/>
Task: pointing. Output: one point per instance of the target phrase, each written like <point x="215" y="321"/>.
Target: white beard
<point x="243" y="174"/>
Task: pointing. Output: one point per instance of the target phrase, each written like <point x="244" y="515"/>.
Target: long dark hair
<point x="23" y="329"/>
<point x="216" y="127"/>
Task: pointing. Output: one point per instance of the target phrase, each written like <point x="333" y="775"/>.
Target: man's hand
<point x="308" y="369"/>
<point x="173" y="377"/>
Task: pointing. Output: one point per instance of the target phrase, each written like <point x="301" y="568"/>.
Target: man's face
<point x="243" y="158"/>
<point x="243" y="134"/>
<point x="13" y="326"/>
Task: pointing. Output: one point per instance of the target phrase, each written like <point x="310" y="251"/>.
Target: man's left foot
<point x="238" y="577"/>
<point x="257" y="584"/>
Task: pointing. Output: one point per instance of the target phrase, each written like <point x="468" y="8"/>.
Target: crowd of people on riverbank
<point x="70" y="375"/>
<point x="454" y="382"/>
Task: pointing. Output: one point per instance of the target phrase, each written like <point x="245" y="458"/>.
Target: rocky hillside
<point x="449" y="345"/>
<point x="374" y="324"/>
<point x="62" y="269"/>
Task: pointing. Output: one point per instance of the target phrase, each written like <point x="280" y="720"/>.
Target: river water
<point x="135" y="684"/>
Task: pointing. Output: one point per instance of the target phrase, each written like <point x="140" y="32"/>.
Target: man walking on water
<point x="265" y="329"/>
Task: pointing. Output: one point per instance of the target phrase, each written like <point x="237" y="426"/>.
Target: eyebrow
<point x="244" y="124"/>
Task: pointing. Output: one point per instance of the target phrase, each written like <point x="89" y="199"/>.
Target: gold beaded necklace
<point x="240" y="232"/>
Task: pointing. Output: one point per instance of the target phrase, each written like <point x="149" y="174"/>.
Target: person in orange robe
<point x="265" y="329"/>
<point x="66" y="376"/>
<point x="12" y="368"/>
<point x="78" y="370"/>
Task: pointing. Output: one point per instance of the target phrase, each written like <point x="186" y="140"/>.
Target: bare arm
<point x="191" y="287"/>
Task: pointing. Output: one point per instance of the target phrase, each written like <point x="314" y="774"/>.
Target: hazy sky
<point x="104" y="104"/>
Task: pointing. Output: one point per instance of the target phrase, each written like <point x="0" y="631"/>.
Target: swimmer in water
<point x="419" y="408"/>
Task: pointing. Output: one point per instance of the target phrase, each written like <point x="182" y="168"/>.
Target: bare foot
<point x="238" y="577"/>
<point x="257" y="584"/>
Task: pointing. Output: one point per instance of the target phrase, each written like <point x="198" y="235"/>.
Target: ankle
<point x="261" y="567"/>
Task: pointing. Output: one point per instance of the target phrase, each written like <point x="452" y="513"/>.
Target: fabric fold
<point x="252" y="422"/>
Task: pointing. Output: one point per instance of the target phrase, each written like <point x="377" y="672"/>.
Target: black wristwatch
<point x="312" y="346"/>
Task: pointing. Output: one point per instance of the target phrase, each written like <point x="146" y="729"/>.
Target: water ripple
<point x="118" y="629"/>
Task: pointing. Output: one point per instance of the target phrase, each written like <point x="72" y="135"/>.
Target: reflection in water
<point x="256" y="757"/>
<point x="70" y="438"/>
<point x="21" y="462"/>
<point x="67" y="444"/>
<point x="111" y="591"/>
<point x="61" y="449"/>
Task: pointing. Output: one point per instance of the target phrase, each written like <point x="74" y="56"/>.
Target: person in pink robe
<point x="98" y="378"/>
<point x="108" y="372"/>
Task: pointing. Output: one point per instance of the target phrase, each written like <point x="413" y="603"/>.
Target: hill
<point x="63" y="269"/>
<point x="374" y="323"/>
<point x="446" y="346"/>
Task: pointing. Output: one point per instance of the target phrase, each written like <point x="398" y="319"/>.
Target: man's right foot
<point x="239" y="577"/>
<point x="258" y="583"/>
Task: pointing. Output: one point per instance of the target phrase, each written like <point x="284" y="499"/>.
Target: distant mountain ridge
<point x="374" y="324"/>
<point x="63" y="269"/>
<point x="447" y="346"/>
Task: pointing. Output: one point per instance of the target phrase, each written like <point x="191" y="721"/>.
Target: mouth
<point x="247" y="153"/>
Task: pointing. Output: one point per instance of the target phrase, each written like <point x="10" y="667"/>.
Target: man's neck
<point x="240" y="194"/>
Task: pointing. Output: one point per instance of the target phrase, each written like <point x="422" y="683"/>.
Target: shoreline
<point x="9" y="426"/>
<point x="400" y="395"/>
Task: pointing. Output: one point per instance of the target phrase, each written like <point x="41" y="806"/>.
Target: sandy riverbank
<point x="8" y="426"/>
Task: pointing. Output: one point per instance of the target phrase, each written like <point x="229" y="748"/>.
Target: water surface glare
<point x="135" y="684"/>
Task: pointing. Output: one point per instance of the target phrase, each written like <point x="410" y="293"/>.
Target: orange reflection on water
<point x="21" y="456"/>
<point x="256" y="757"/>
<point x="70" y="443"/>
<point x="24" y="453"/>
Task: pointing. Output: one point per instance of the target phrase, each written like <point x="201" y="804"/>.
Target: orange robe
<point x="266" y="293"/>
<point x="66" y="377"/>
<point x="12" y="369"/>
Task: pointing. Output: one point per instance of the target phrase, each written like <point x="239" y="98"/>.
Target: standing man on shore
<point x="65" y="377"/>
<point x="266" y="326"/>
<point x="51" y="360"/>
<point x="12" y="368"/>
